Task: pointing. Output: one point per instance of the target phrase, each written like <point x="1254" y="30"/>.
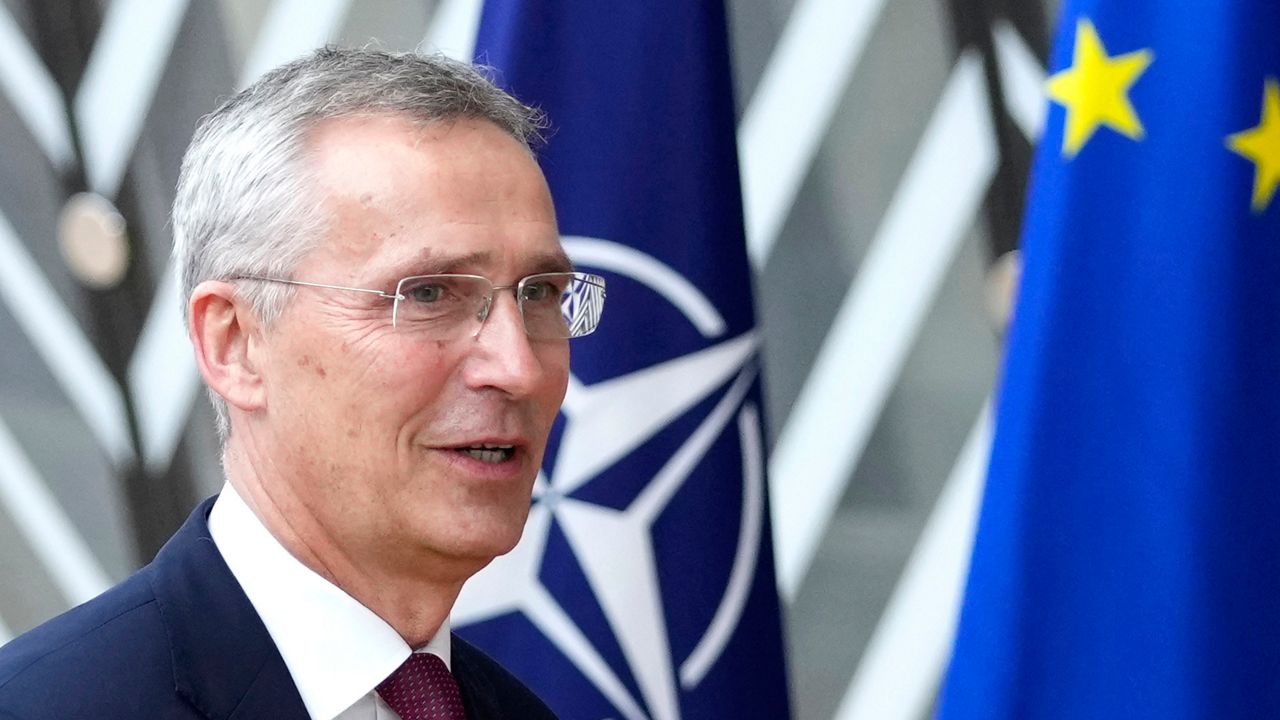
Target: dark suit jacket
<point x="179" y="639"/>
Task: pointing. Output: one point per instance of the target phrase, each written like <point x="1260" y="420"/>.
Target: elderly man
<point x="380" y="306"/>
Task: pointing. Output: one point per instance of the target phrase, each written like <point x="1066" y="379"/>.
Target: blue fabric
<point x="179" y="639"/>
<point x="641" y="156"/>
<point x="1127" y="562"/>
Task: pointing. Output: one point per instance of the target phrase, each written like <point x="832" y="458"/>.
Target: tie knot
<point x="423" y="689"/>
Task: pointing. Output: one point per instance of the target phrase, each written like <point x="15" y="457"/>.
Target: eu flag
<point x="644" y="584"/>
<point x="1127" y="561"/>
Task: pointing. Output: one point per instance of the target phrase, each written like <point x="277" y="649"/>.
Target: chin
<point x="483" y="538"/>
<point x="504" y="540"/>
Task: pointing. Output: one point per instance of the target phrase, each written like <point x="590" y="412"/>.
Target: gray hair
<point x="245" y="204"/>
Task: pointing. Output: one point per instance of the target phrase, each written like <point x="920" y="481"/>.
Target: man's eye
<point x="540" y="291"/>
<point x="427" y="293"/>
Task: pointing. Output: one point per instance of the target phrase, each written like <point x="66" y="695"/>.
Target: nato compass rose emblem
<point x="597" y="582"/>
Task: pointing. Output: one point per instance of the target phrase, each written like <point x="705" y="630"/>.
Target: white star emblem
<point x="604" y="423"/>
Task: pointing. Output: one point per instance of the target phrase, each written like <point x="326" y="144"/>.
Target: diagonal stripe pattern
<point x="791" y="120"/>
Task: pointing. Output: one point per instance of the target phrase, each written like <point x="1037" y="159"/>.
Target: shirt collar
<point x="336" y="649"/>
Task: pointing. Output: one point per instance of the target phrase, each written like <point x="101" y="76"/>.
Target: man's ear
<point x="224" y="333"/>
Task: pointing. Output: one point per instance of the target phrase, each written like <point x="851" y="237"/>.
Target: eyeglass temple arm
<point x="379" y="293"/>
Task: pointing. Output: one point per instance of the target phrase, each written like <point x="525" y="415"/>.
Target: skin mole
<point x="306" y="361"/>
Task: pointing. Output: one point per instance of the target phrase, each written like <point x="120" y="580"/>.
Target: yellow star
<point x="1095" y="89"/>
<point x="1261" y="144"/>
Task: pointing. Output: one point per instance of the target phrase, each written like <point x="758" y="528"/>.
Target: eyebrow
<point x="551" y="262"/>
<point x="531" y="265"/>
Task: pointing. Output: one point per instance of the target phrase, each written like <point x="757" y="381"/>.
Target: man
<point x="380" y="306"/>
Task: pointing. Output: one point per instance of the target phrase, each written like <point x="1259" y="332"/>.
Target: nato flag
<point x="644" y="584"/>
<point x="1127" y="562"/>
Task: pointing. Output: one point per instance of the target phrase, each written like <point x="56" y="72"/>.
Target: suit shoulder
<point x="487" y="683"/>
<point x="117" y="634"/>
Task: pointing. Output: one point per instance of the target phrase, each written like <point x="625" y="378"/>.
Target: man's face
<point x="368" y="423"/>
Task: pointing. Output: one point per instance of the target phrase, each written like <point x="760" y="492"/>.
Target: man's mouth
<point x="489" y="453"/>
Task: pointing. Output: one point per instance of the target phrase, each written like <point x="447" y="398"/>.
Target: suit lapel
<point x="478" y="695"/>
<point x="224" y="662"/>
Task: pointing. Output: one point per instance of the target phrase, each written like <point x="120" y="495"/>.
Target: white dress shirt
<point x="336" y="649"/>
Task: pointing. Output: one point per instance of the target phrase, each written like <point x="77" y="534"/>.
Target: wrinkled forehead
<point x="407" y="197"/>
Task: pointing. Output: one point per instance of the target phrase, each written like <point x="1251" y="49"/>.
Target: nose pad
<point x="486" y="308"/>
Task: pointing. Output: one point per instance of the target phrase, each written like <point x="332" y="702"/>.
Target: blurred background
<point x="884" y="148"/>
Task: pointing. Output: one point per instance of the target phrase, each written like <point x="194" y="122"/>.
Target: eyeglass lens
<point x="553" y="305"/>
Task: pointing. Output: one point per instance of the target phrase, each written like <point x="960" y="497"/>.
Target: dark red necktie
<point x="423" y="689"/>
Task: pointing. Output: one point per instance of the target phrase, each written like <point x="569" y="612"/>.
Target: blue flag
<point x="1127" y="562"/>
<point x="644" y="584"/>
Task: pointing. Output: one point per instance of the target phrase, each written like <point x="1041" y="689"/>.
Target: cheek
<point x="555" y="362"/>
<point x="410" y="388"/>
<point x="556" y="380"/>
<point x="351" y="390"/>
<point x="310" y="365"/>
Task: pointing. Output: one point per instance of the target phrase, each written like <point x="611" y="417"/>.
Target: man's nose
<point x="505" y="358"/>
